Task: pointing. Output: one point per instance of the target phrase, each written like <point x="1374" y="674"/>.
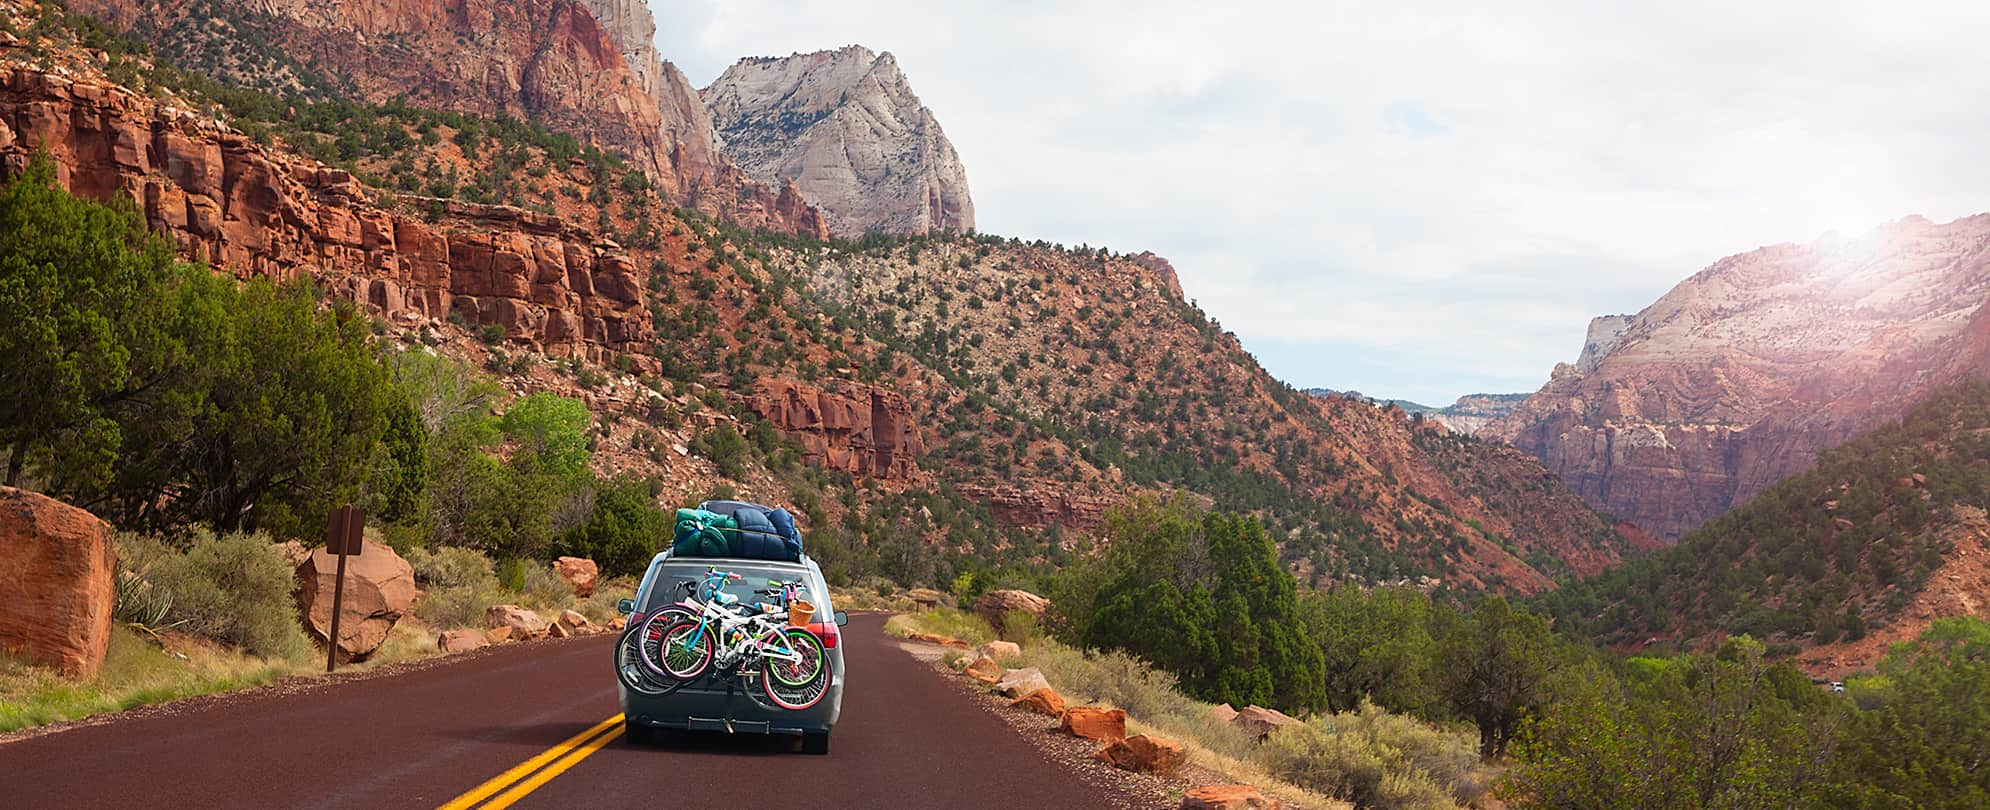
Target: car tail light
<point x="635" y="618"/>
<point x="826" y="632"/>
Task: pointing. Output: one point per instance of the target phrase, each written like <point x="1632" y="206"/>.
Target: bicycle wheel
<point x="685" y="649"/>
<point x="650" y="645"/>
<point x="797" y="685"/>
<point x="630" y="667"/>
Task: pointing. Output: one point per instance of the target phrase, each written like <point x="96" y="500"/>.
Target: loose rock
<point x="58" y="577"/>
<point x="456" y="641"/>
<point x="985" y="669"/>
<point x="1019" y="682"/>
<point x="995" y="606"/>
<point x="1145" y="753"/>
<point x="1094" y="723"/>
<point x="524" y="624"/>
<point x="1260" y="722"/>
<point x="581" y="574"/>
<point x="1001" y="649"/>
<point x="1043" y="701"/>
<point x="1227" y="797"/>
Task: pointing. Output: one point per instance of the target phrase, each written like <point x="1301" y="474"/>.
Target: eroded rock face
<point x="1742" y="374"/>
<point x="552" y="284"/>
<point x="849" y="426"/>
<point x="588" y="68"/>
<point x="1227" y="797"/>
<point x="379" y="589"/>
<point x="57" y="583"/>
<point x="845" y="126"/>
<point x="1042" y="507"/>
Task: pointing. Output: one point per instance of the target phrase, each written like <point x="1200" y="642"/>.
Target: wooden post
<point x="343" y="536"/>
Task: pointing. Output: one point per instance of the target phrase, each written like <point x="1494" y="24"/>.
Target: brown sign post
<point x="342" y="537"/>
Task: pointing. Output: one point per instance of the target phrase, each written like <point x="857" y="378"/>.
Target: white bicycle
<point x="715" y="633"/>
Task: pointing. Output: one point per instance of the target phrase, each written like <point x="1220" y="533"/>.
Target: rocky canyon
<point x="1739" y="376"/>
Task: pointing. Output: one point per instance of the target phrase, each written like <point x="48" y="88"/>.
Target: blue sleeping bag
<point x="784" y="525"/>
<point x="759" y="539"/>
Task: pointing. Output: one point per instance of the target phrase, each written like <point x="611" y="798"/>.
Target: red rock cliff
<point x="253" y="212"/>
<point x="848" y="426"/>
<point x="1742" y="374"/>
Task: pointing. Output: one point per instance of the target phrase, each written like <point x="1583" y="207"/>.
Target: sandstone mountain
<point x="1742" y="374"/>
<point x="845" y="126"/>
<point x="915" y="398"/>
<point x="551" y="61"/>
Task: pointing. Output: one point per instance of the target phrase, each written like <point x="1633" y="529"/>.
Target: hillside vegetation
<point x="1829" y="555"/>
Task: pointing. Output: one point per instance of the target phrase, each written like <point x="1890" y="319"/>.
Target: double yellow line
<point x="563" y="756"/>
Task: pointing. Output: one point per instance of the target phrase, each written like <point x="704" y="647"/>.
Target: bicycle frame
<point x="762" y="637"/>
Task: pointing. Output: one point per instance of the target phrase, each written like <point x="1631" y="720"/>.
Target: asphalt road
<point x="419" y="739"/>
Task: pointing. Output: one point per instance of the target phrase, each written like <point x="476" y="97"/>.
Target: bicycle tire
<point x="652" y="629"/>
<point x="630" y="668"/>
<point x="803" y="692"/>
<point x="692" y="658"/>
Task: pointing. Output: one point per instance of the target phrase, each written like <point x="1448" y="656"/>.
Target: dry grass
<point x="135" y="673"/>
<point x="1370" y="757"/>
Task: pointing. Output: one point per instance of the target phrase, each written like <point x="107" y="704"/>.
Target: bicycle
<point x="757" y="642"/>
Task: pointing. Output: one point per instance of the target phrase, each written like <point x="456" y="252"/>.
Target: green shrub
<point x="458" y="584"/>
<point x="1376" y="760"/>
<point x="234" y="588"/>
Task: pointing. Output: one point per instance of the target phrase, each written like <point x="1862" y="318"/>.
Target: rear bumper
<point x="716" y="710"/>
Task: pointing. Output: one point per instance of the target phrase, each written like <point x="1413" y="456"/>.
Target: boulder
<point x="1227" y="797"/>
<point x="997" y="605"/>
<point x="580" y="573"/>
<point x="1001" y="649"/>
<point x="1094" y="723"/>
<point x="1259" y="721"/>
<point x="456" y="641"/>
<point x="926" y="598"/>
<point x="1222" y="713"/>
<point x="379" y="589"/>
<point x="524" y="624"/>
<point x="575" y="623"/>
<point x="1043" y="701"/>
<point x="1019" y="682"/>
<point x="58" y="583"/>
<point x="1145" y="753"/>
<point x="984" y="669"/>
<point x="557" y="630"/>
<point x="498" y="635"/>
<point x="617" y="624"/>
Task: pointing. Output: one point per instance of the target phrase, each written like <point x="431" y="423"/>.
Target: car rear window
<point x="753" y="576"/>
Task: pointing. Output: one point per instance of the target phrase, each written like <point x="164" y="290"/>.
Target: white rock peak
<point x="845" y="126"/>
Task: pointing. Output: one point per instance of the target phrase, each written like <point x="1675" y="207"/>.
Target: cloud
<point x="1421" y="199"/>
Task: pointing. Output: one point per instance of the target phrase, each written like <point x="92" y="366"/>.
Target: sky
<point x="1415" y="199"/>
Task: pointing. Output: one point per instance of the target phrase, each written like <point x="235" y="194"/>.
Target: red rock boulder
<point x="1260" y="722"/>
<point x="1145" y="753"/>
<point x="1094" y="723"/>
<point x="456" y="641"/>
<point x="1043" y="701"/>
<point x="580" y="573"/>
<point x="57" y="583"/>
<point x="379" y="589"/>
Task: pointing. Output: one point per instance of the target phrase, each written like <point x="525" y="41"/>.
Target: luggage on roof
<point x="737" y="529"/>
